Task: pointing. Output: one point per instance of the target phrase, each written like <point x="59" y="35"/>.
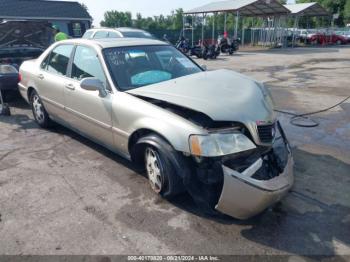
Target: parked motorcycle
<point x="196" y="51"/>
<point x="183" y="45"/>
<point x="210" y="51"/>
<point x="200" y="50"/>
<point x="228" y="46"/>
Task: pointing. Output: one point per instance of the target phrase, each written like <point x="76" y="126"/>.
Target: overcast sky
<point x="145" y="7"/>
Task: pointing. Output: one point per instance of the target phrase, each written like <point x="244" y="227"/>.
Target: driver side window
<point x="86" y="64"/>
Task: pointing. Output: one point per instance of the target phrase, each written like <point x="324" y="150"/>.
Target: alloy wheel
<point x="38" y="109"/>
<point x="154" y="169"/>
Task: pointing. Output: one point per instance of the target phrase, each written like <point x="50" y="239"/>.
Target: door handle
<point x="70" y="87"/>
<point x="41" y="76"/>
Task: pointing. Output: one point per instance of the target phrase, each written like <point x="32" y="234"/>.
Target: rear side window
<point x="88" y="34"/>
<point x="113" y="35"/>
<point x="101" y="34"/>
<point x="59" y="59"/>
<point x="86" y="64"/>
<point x="136" y="34"/>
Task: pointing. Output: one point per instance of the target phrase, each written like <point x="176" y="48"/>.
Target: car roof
<point x="128" y="29"/>
<point x="115" y="42"/>
<point x="119" y="29"/>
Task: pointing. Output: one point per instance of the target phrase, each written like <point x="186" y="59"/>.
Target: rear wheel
<point x="39" y="112"/>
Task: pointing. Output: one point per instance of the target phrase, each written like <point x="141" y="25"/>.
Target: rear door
<point x="88" y="112"/>
<point x="51" y="78"/>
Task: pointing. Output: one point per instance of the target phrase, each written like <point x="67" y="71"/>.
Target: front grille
<point x="266" y="133"/>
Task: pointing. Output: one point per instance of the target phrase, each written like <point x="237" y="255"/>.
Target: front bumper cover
<point x="265" y="182"/>
<point x="243" y="196"/>
<point x="245" y="184"/>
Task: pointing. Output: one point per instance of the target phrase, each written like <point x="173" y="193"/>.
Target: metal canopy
<point x="244" y="7"/>
<point x="307" y="9"/>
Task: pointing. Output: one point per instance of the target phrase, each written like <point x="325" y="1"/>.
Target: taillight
<point x="19" y="78"/>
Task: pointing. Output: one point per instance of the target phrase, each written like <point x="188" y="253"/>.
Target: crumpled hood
<point x="223" y="95"/>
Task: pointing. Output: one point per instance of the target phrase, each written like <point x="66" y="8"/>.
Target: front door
<point x="88" y="112"/>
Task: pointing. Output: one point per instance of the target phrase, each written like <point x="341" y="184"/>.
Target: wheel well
<point x="29" y="92"/>
<point x="136" y="153"/>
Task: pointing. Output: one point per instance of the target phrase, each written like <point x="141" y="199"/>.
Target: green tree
<point x="177" y="19"/>
<point x="138" y="22"/>
<point x="117" y="19"/>
<point x="347" y="12"/>
<point x="158" y="25"/>
<point x="84" y="6"/>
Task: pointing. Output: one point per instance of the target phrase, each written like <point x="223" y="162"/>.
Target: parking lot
<point x="62" y="194"/>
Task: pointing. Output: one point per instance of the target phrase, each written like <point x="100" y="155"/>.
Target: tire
<point x="199" y="55"/>
<point x="205" y="57"/>
<point x="39" y="112"/>
<point x="161" y="167"/>
<point x="339" y="42"/>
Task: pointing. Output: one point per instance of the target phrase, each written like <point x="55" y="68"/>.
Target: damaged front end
<point x="243" y="184"/>
<point x="238" y="168"/>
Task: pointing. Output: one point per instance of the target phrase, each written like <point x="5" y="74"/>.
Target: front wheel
<point x="162" y="165"/>
<point x="155" y="170"/>
<point x="161" y="174"/>
<point x="39" y="112"/>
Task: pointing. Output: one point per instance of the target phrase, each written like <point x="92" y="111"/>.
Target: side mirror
<point x="94" y="84"/>
<point x="204" y="67"/>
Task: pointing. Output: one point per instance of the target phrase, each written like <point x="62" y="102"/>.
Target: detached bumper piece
<point x="265" y="182"/>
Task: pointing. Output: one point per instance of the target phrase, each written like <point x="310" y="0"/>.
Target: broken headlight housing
<point x="219" y="144"/>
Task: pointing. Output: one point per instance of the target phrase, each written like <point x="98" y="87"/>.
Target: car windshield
<point x="136" y="34"/>
<point x="134" y="67"/>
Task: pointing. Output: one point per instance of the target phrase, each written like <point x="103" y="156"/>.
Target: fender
<point x="178" y="161"/>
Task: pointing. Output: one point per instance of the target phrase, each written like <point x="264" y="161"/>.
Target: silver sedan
<point x="213" y="134"/>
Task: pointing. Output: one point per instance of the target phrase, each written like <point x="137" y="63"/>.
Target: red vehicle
<point x="326" y="39"/>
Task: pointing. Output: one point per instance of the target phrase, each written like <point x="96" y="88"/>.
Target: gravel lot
<point x="62" y="194"/>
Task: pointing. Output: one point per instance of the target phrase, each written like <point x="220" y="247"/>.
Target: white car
<point x="121" y="32"/>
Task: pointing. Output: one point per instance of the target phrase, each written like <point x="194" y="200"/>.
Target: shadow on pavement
<point x="304" y="223"/>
